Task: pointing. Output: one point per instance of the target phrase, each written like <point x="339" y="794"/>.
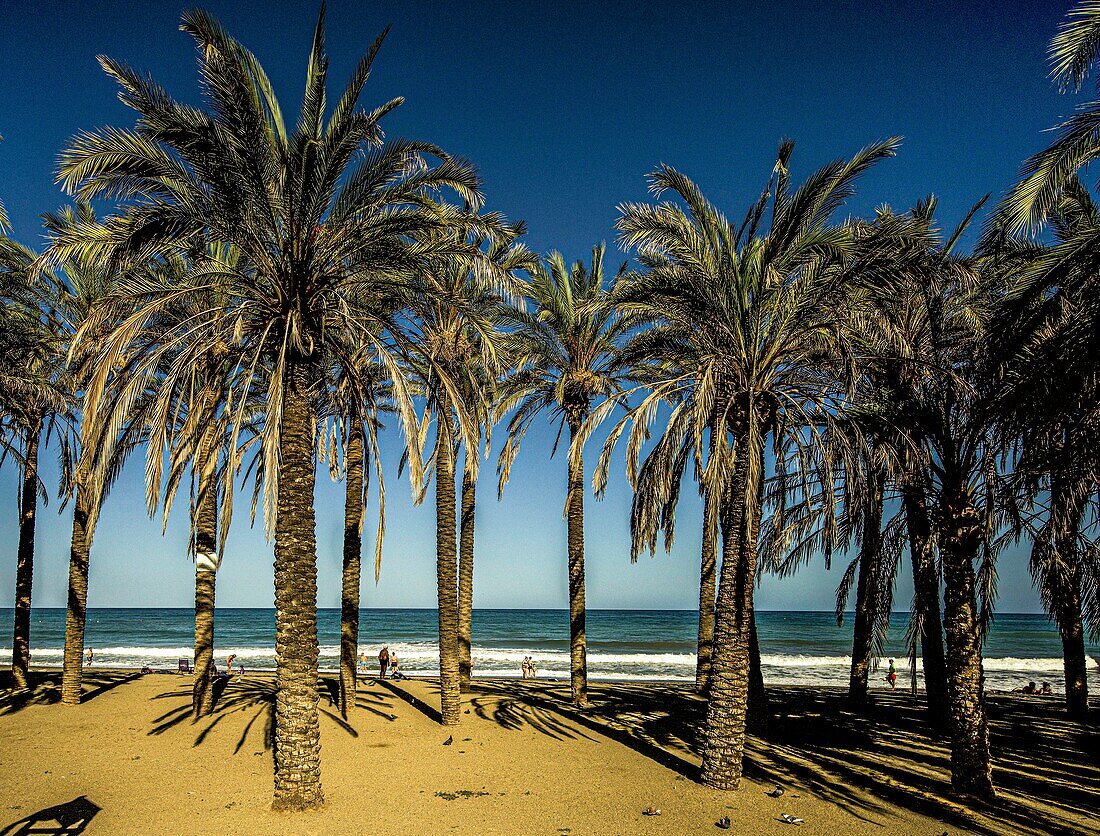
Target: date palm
<point x="1074" y="53"/>
<point x="355" y="428"/>
<point x="763" y="312"/>
<point x="949" y="418"/>
<point x="566" y="357"/>
<point x="35" y="400"/>
<point x="1051" y="405"/>
<point x="83" y="282"/>
<point x="457" y="345"/>
<point x="327" y="220"/>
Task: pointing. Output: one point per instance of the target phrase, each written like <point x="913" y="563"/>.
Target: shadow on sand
<point x="256" y="697"/>
<point x="69" y="818"/>
<point x="1045" y="768"/>
<point x="45" y="688"/>
<point x="1045" y="776"/>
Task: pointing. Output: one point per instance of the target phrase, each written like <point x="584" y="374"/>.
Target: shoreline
<point x="902" y="691"/>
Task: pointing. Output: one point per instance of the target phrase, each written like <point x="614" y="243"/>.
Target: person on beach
<point x="1047" y="690"/>
<point x="363" y="664"/>
<point x="892" y="676"/>
<point x="395" y="668"/>
<point x="525" y="667"/>
<point x="89" y="655"/>
<point x="229" y="664"/>
<point x="1029" y="689"/>
<point x="384" y="661"/>
<point x="531" y="669"/>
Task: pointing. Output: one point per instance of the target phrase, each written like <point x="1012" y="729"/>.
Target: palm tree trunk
<point x="959" y="539"/>
<point x="24" y="567"/>
<point x="77" y="613"/>
<point x="867" y="604"/>
<point x="926" y="594"/>
<point x="205" y="526"/>
<point x="297" y="730"/>
<point x="759" y="713"/>
<point x="578" y="660"/>
<point x="466" y="578"/>
<point x="724" y="736"/>
<point x="446" y="568"/>
<point x="353" y="547"/>
<point x="1064" y="590"/>
<point x="1073" y="647"/>
<point x="707" y="590"/>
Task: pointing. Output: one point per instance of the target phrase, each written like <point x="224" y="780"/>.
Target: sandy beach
<point x="130" y="760"/>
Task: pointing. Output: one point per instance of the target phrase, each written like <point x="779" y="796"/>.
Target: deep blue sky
<point x="564" y="108"/>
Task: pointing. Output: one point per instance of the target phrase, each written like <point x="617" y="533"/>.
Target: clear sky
<point x="564" y="108"/>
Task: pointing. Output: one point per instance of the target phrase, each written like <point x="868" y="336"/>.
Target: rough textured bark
<point x="1072" y="631"/>
<point x="724" y="736"/>
<point x="466" y="579"/>
<point x="707" y="589"/>
<point x="297" y="730"/>
<point x="77" y="612"/>
<point x="867" y="604"/>
<point x="926" y="594"/>
<point x="578" y="659"/>
<point x="1064" y="586"/>
<point x="959" y="541"/>
<point x="759" y="713"/>
<point x="206" y="562"/>
<point x="353" y="548"/>
<point x="446" y="568"/>
<point x="24" y="567"/>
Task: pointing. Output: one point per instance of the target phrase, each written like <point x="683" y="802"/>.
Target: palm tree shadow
<point x="69" y="818"/>
<point x="45" y="688"/>
<point x="513" y="706"/>
<point x="860" y="762"/>
<point x="431" y="712"/>
<point x="248" y="695"/>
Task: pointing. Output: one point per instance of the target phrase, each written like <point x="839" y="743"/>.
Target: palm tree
<point x="566" y="357"/>
<point x="1051" y="407"/>
<point x="358" y="424"/>
<point x="763" y="314"/>
<point x="947" y="412"/>
<point x="1074" y="53"/>
<point x="319" y="240"/>
<point x="34" y="404"/>
<point x="83" y="282"/>
<point x="460" y="307"/>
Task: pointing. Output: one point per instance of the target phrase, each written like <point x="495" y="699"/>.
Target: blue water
<point x="796" y="647"/>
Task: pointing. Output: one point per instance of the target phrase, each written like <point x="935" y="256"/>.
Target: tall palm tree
<point x="460" y="307"/>
<point x="357" y="428"/>
<point x="566" y="357"/>
<point x="763" y="312"/>
<point x="83" y="282"/>
<point x="948" y="415"/>
<point x="1051" y="406"/>
<point x="34" y="403"/>
<point x="324" y="218"/>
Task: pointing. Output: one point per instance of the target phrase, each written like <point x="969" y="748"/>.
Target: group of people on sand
<point x="388" y="664"/>
<point x="528" y="669"/>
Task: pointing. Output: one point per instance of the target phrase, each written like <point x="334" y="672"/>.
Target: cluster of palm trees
<point x="259" y="299"/>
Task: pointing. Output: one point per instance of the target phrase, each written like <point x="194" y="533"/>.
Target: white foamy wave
<point x="421" y="658"/>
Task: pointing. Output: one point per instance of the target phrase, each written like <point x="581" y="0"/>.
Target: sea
<point x="797" y="648"/>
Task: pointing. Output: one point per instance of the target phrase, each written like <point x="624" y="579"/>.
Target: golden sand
<point x="129" y="760"/>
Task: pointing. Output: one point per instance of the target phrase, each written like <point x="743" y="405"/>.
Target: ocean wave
<point x="414" y="654"/>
